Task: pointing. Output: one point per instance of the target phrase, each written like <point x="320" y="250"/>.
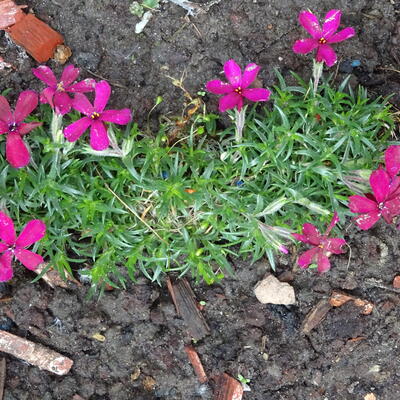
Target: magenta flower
<point x="324" y="247"/>
<point x="95" y="117"/>
<point x="237" y="88"/>
<point x="11" y="246"/>
<point x="392" y="160"/>
<point x="56" y="94"/>
<point x="385" y="201"/>
<point x="322" y="38"/>
<point x="17" y="154"/>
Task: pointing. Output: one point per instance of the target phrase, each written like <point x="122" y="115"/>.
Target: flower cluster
<point x="57" y="95"/>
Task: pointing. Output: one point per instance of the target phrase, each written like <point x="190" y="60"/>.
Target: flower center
<point x="60" y="87"/>
<point x="238" y="90"/>
<point x="381" y="205"/>
<point x="322" y="41"/>
<point x="13" y="127"/>
<point x="95" y="115"/>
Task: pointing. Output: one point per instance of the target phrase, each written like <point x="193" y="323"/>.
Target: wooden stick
<point x="2" y="377"/>
<point x="34" y="354"/>
<point x="228" y="388"/>
<point x="196" y="363"/>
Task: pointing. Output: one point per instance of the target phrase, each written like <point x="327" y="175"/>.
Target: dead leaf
<point x="62" y="54"/>
<point x="149" y="383"/>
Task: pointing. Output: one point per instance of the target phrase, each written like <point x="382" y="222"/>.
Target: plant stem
<point x="240" y="119"/>
<point x="317" y="73"/>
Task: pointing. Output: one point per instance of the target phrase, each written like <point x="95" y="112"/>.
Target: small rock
<point x="370" y="396"/>
<point x="149" y="383"/>
<point x="271" y="291"/>
<point x="396" y="282"/>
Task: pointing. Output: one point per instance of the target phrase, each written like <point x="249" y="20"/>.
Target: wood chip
<point x="227" y="388"/>
<point x="315" y="316"/>
<point x="10" y="13"/>
<point x="186" y="306"/>
<point x="34" y="354"/>
<point x="196" y="363"/>
<point x="337" y="299"/>
<point x="2" y="376"/>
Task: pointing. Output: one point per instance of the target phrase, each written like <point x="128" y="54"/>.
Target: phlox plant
<point x="135" y="202"/>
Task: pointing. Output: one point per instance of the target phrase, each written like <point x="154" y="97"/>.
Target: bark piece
<point x="227" y="388"/>
<point x="34" y="354"/>
<point x="271" y="291"/>
<point x="196" y="363"/>
<point x="186" y="306"/>
<point x="315" y="316"/>
<point x="36" y="37"/>
<point x="337" y="299"/>
<point x="2" y="376"/>
<point x="396" y="282"/>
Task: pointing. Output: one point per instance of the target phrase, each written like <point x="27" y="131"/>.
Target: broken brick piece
<point x="196" y="363"/>
<point x="396" y="282"/>
<point x="186" y="306"/>
<point x="227" y="388"/>
<point x="34" y="354"/>
<point x="36" y="37"/>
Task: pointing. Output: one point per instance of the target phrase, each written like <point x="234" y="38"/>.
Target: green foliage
<point x="153" y="208"/>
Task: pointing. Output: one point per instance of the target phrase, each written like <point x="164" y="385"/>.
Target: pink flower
<point x="95" y="117"/>
<point x="237" y="88"/>
<point x="324" y="247"/>
<point x="322" y="38"/>
<point x="392" y="160"/>
<point x="385" y="201"/>
<point x="56" y="94"/>
<point x="11" y="246"/>
<point x="17" y="154"/>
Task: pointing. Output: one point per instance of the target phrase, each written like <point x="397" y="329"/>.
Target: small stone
<point x="135" y="374"/>
<point x="370" y="396"/>
<point x="271" y="291"/>
<point x="396" y="282"/>
<point x="149" y="383"/>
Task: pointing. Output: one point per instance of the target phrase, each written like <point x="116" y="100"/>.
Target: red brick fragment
<point x="36" y="37"/>
<point x="227" y="388"/>
<point x="10" y="13"/>
<point x="34" y="354"/>
<point x="196" y="363"/>
<point x="396" y="282"/>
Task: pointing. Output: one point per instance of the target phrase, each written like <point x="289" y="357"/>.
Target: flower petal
<point x="334" y="245"/>
<point x="7" y="230"/>
<point x="233" y="73"/>
<point x="103" y="92"/>
<point x="249" y="75"/>
<point x="256" y="94"/>
<point x="3" y="247"/>
<point x="26" y="103"/>
<point x="391" y="209"/>
<point x="312" y="234"/>
<point x="334" y="221"/>
<point x="230" y="101"/>
<point x="302" y="238"/>
<point x="323" y="263"/>
<point x="82" y="104"/>
<point x="366" y="221"/>
<point x="23" y="129"/>
<point x="304" y="46"/>
<point x="308" y="257"/>
<point x="98" y="136"/>
<point x="5" y="110"/>
<point x="331" y="23"/>
<point x="74" y="131"/>
<point x="344" y="34"/>
<point x="6" y="271"/>
<point x="310" y="23"/>
<point x="33" y="232"/>
<point x="120" y="117"/>
<point x="46" y="96"/>
<point x="392" y="160"/>
<point x="69" y="75"/>
<point x="29" y="259"/>
<point x="62" y="103"/>
<point x="17" y="153"/>
<point x="380" y="184"/>
<point x="219" y="87"/>
<point x="3" y="127"/>
<point x="327" y="54"/>
<point x="87" y="85"/>
<point x="360" y="204"/>
<point x="45" y="74"/>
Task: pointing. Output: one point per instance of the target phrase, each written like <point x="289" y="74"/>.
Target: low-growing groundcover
<point x="185" y="199"/>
